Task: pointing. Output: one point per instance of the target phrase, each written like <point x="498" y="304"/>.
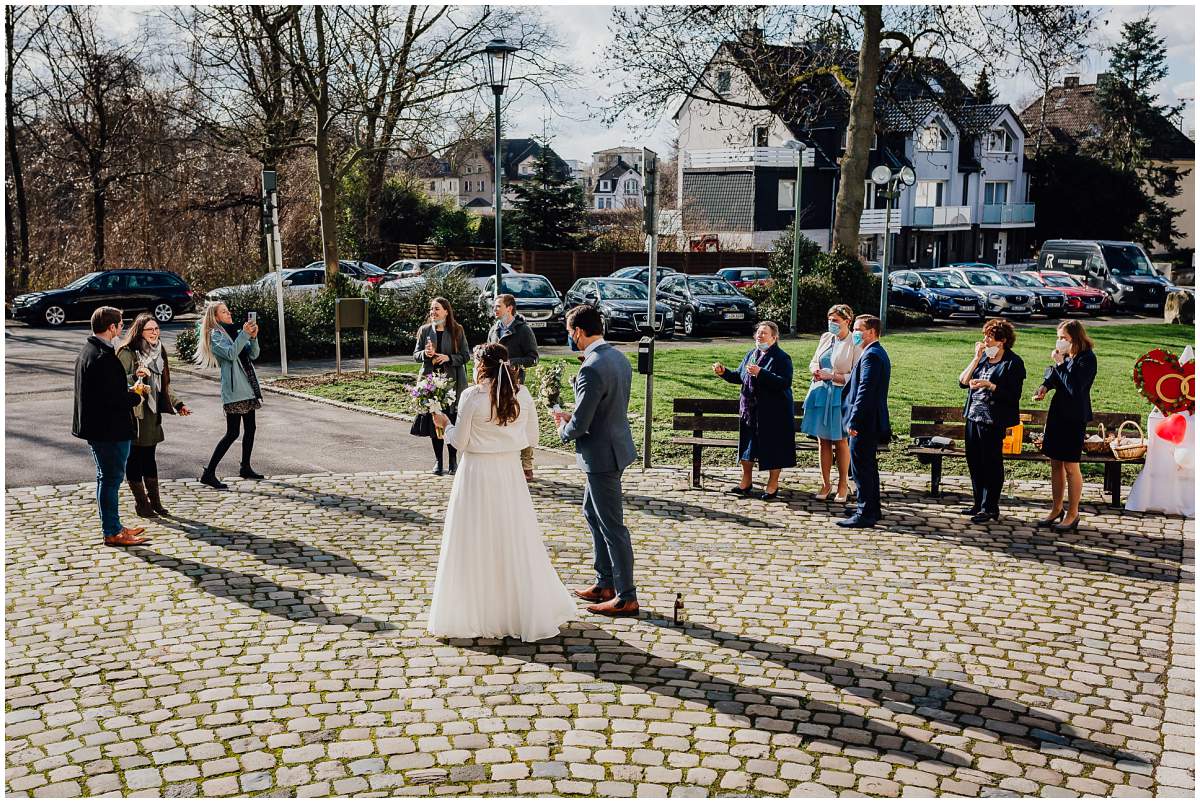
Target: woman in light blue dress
<point x="830" y="368"/>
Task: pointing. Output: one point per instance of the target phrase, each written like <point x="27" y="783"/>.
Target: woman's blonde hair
<point x="204" y="352"/>
<point x="842" y="311"/>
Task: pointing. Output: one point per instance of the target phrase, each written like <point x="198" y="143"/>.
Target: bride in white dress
<point x="494" y="577"/>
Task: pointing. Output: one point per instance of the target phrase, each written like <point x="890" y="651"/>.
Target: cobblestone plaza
<point x="271" y="640"/>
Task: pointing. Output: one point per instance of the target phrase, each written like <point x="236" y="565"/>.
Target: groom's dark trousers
<point x="610" y="537"/>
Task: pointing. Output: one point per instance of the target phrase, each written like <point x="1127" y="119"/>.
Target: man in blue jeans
<point x="104" y="418"/>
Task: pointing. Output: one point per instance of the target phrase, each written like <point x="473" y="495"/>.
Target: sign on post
<point x="350" y="313"/>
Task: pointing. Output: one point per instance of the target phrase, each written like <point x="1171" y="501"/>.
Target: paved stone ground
<point x="271" y="640"/>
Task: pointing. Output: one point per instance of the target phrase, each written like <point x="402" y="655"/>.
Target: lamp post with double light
<point x="499" y="70"/>
<point x="884" y="176"/>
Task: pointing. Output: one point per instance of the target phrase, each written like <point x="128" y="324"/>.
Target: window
<point x="605" y="186"/>
<point x="995" y="192"/>
<point x="932" y="138"/>
<point x="599" y="203"/>
<point x="724" y="80"/>
<point x="481" y="186"/>
<point x="110" y="282"/>
<point x="608" y="203"/>
<point x="761" y="133"/>
<point x="930" y="193"/>
<point x="846" y="139"/>
<point x="1000" y="141"/>
<point x="631" y="186"/>
<point x="873" y="196"/>
<point x="787" y="194"/>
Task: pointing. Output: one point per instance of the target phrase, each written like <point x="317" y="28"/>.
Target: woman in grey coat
<point x="232" y="349"/>
<point x="442" y="348"/>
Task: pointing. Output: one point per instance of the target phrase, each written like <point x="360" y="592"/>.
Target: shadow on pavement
<point x="655" y="506"/>
<point x="327" y="498"/>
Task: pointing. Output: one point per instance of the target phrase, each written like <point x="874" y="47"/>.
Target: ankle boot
<point x="248" y="473"/>
<point x="141" y="501"/>
<point x="155" y="500"/>
<point x="209" y="478"/>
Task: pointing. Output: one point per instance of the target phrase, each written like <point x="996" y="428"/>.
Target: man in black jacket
<point x="104" y="418"/>
<point x="511" y="331"/>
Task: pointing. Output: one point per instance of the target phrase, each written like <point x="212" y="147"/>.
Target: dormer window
<point x="724" y="81"/>
<point x="605" y="186"/>
<point x="761" y="133"/>
<point x="1000" y="140"/>
<point x="933" y="138"/>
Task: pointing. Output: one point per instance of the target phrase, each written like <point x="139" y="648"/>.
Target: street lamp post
<point x="798" y="147"/>
<point x="882" y="176"/>
<point x="499" y="67"/>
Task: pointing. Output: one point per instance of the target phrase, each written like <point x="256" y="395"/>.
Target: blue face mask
<point x="834" y="328"/>
<point x="857" y="338"/>
<point x="571" y="340"/>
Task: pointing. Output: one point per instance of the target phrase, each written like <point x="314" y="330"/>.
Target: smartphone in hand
<point x="252" y="317"/>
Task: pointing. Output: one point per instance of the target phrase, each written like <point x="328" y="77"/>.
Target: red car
<point x="741" y="278"/>
<point x="1080" y="297"/>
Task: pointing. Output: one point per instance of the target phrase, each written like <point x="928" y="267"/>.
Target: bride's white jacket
<point x="473" y="432"/>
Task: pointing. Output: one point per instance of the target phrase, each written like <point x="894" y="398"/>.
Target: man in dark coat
<point x="104" y="418"/>
<point x="511" y="331"/>
<point x="866" y="420"/>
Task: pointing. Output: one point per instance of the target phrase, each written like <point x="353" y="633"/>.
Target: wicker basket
<point x="1102" y="446"/>
<point x="1129" y="448"/>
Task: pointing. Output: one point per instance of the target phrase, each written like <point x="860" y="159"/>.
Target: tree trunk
<point x="858" y="138"/>
<point x="98" y="212"/>
<point x="15" y="169"/>
<point x="373" y="213"/>
<point x="327" y="187"/>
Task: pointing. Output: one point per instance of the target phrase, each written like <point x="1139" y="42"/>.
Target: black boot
<point x="437" y="453"/>
<point x="209" y="478"/>
<point x="155" y="499"/>
<point x="248" y="473"/>
<point x="140" y="500"/>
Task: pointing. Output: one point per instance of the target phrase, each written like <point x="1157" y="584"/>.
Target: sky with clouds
<point x="583" y="31"/>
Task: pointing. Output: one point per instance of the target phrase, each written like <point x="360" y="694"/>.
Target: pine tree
<point x="983" y="92"/>
<point x="548" y="213"/>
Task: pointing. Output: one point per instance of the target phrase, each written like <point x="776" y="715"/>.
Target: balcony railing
<point x="746" y="157"/>
<point x="872" y="221"/>
<point x="1007" y="214"/>
<point x="932" y="217"/>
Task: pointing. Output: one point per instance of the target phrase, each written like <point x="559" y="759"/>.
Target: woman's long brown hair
<point x="135" y="337"/>
<point x="492" y="359"/>
<point x="452" y="326"/>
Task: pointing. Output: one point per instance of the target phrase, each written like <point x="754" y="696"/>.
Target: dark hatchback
<point x="537" y="302"/>
<point x="937" y="294"/>
<point x="623" y="305"/>
<point x="160" y="292"/>
<point x="702" y="303"/>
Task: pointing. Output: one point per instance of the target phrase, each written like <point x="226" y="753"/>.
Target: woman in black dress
<point x="1070" y="377"/>
<point x="767" y="429"/>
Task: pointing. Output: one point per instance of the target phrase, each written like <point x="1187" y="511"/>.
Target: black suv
<point x="160" y="292"/>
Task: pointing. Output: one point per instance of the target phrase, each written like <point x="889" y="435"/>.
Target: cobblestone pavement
<point x="271" y="640"/>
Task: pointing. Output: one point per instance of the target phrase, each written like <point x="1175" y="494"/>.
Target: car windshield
<point x="1060" y="281"/>
<point x="985" y="278"/>
<point x="268" y="280"/>
<point x="1021" y="280"/>
<point x="370" y="269"/>
<point x="711" y="287"/>
<point x="623" y="291"/>
<point x="440" y="269"/>
<point x="1127" y="260"/>
<point x="82" y="280"/>
<point x="528" y="287"/>
<point x="942" y="281"/>
<point x="632" y="270"/>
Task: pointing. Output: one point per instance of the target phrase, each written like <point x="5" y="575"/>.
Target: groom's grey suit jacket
<point x="600" y="423"/>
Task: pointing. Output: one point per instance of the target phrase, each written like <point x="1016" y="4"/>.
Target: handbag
<point x="422" y="425"/>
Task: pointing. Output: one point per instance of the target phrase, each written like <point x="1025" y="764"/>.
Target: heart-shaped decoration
<point x="1168" y="385"/>
<point x="1172" y="429"/>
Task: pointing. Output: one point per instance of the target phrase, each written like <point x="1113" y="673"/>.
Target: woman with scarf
<point x="767" y="429"/>
<point x="145" y="359"/>
<point x="222" y="344"/>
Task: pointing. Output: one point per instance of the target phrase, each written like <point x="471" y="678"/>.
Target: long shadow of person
<point x="587" y="649"/>
<point x="375" y="509"/>
<point x="272" y="551"/>
<point x="653" y="505"/>
<point x="260" y="594"/>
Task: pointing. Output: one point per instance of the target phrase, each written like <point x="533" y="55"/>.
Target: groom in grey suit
<point x="604" y="448"/>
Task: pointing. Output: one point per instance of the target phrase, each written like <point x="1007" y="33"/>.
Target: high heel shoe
<point x="1066" y="528"/>
<point x="1050" y="522"/>
<point x="823" y="495"/>
<point x="841" y="499"/>
<point x="738" y="490"/>
<point x="767" y="496"/>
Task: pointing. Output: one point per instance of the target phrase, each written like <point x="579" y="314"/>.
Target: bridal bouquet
<point x="551" y="385"/>
<point x="434" y="393"/>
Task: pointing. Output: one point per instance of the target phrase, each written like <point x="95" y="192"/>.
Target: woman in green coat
<point x="145" y="362"/>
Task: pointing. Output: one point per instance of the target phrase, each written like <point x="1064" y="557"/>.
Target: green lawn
<point x="925" y="368"/>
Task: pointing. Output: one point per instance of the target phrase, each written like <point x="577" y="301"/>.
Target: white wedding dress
<point x="494" y="576"/>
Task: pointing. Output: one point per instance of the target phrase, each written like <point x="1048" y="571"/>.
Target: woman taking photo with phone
<point x="145" y="362"/>
<point x="223" y="345"/>
<point x="442" y="348"/>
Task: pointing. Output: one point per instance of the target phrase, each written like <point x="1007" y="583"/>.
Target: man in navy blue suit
<point x="865" y="418"/>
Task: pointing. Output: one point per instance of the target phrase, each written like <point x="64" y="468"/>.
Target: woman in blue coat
<point x="767" y="429"/>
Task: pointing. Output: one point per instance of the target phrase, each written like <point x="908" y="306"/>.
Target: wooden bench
<point x="700" y="416"/>
<point x="948" y="422"/>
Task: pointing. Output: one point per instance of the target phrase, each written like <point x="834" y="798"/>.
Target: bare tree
<point x="21" y="25"/>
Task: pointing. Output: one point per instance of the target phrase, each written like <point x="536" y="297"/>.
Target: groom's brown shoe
<point x="616" y="607"/>
<point x="596" y="594"/>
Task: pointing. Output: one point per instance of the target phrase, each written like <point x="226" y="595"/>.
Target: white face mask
<point x="991" y="351"/>
<point x="1063" y="345"/>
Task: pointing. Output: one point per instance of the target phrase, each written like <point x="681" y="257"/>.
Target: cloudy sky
<point x="583" y="30"/>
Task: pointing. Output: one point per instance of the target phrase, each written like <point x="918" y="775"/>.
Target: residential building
<point x="618" y="187"/>
<point x="579" y="170"/>
<point x="608" y="158"/>
<point x="1073" y="116"/>
<point x="737" y="178"/>
<point x="472" y="182"/>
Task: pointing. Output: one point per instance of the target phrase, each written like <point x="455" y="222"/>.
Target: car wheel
<point x="163" y="313"/>
<point x="54" y="315"/>
<point x="689" y="323"/>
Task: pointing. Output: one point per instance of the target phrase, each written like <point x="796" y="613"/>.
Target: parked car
<point x="938" y="294"/>
<point x="707" y="302"/>
<point x="623" y="305"/>
<point x="741" y="278"/>
<point x="405" y="268"/>
<point x="873" y="267"/>
<point x="1121" y="269"/>
<point x="295" y="281"/>
<point x="1048" y="301"/>
<point x="641" y="273"/>
<point x="476" y="271"/>
<point x="1080" y="297"/>
<point x="364" y="273"/>
<point x="537" y="301"/>
<point x="160" y="292"/>
<point x="995" y="295"/>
